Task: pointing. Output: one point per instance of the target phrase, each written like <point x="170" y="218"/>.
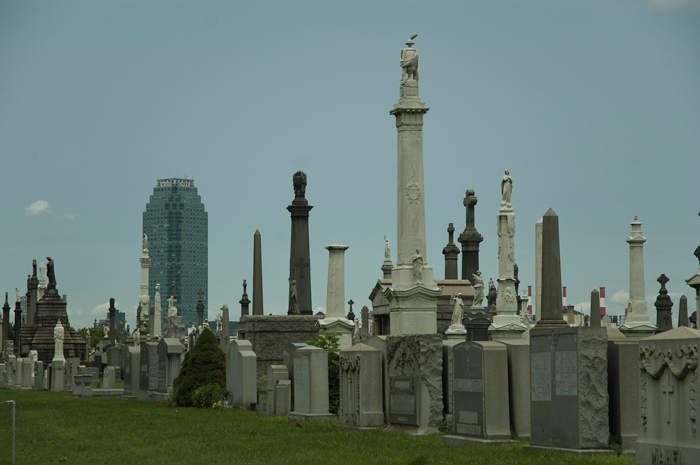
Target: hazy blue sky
<point x="593" y="106"/>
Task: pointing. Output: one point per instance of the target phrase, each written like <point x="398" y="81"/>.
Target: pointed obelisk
<point x="413" y="293"/>
<point x="637" y="322"/>
<point x="550" y="313"/>
<point x="299" y="256"/>
<point x="257" y="276"/>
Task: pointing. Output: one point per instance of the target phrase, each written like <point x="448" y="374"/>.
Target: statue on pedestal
<point x="409" y="61"/>
<point x="417" y="259"/>
<point x="50" y="273"/>
<point x="299" y="180"/>
<point x="387" y="250"/>
<point x="58" y="336"/>
<point x="458" y="309"/>
<point x="172" y="310"/>
<point x="293" y="298"/>
<point x="493" y="294"/>
<point x="506" y="188"/>
<point x="478" y="284"/>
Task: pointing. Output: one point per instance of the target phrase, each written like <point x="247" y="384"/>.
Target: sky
<point x="593" y="107"/>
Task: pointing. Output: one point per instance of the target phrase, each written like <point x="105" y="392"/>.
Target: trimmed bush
<point x="204" y="365"/>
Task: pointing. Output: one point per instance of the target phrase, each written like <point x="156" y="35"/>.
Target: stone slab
<point x="361" y="404"/>
<point x="563" y="450"/>
<point x="568" y="388"/>
<point x="519" y="387"/>
<point x="623" y="389"/>
<point x="311" y="381"/>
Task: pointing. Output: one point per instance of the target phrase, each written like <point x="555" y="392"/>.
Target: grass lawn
<point x="57" y="428"/>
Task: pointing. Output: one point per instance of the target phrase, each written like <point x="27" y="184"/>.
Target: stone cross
<point x="469" y="202"/>
<point x="301" y="264"/>
<point x="351" y="314"/>
<point x="200" y="294"/>
<point x="451" y="232"/>
<point x="663" y="306"/>
<point x="668" y="389"/>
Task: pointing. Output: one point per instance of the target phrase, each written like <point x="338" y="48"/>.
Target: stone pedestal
<point x="637" y="322"/>
<point x="480" y="392"/>
<point x="310" y="384"/>
<point x="568" y="388"/>
<point x="668" y="401"/>
<point x="414" y="367"/>
<point x="58" y="375"/>
<point x="108" y="378"/>
<point x="361" y="387"/>
<point x="175" y="328"/>
<point x="451" y="251"/>
<point x="269" y="334"/>
<point x="132" y="370"/>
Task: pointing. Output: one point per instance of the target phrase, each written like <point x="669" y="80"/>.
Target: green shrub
<point x="208" y="396"/>
<point x="205" y="364"/>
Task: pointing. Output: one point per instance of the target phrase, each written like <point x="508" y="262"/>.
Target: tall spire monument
<point x="413" y="295"/>
<point x="144" y="299"/>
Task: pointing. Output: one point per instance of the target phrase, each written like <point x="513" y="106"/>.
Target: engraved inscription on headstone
<point x="468" y="389"/>
<point x="402" y="400"/>
<point x="565" y="373"/>
<point x="541" y="376"/>
<point x="301" y="382"/>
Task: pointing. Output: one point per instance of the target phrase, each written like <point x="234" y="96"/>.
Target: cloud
<point x="672" y="5"/>
<point x="37" y="208"/>
<point x="583" y="307"/>
<point x="620" y="297"/>
<point x="71" y="216"/>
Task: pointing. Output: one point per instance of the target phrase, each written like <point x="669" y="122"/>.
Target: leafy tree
<point x="205" y="364"/>
<point x="96" y="335"/>
<point x="330" y="342"/>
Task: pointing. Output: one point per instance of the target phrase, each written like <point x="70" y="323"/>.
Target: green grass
<point x="53" y="426"/>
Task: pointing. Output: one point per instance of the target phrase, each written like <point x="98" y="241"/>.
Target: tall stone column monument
<point x="637" y="323"/>
<point x="413" y="293"/>
<point x="470" y="239"/>
<point x="299" y="257"/>
<point x="335" y="320"/>
<point x="507" y="324"/>
<point x="144" y="299"/>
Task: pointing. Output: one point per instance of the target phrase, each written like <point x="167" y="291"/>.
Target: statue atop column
<point x="409" y="61"/>
<point x="506" y="189"/>
<point x="293" y="298"/>
<point x="299" y="180"/>
<point x="50" y="273"/>
<point x="478" y="284"/>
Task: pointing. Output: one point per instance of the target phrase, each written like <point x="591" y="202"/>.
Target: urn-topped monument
<point x="413" y="294"/>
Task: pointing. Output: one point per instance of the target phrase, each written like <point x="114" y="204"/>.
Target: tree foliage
<point x="205" y="364"/>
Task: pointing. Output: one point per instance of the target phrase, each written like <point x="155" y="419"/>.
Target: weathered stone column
<point x="258" y="308"/>
<point x="413" y="295"/>
<point x="32" y="294"/>
<point x="663" y="306"/>
<point x="299" y="256"/>
<point x="551" y="306"/>
<point x="245" y="301"/>
<point x="637" y="323"/>
<point x="144" y="298"/>
<point x="18" y="328"/>
<point x="5" y="325"/>
<point x="335" y="320"/>
<point x="112" y="326"/>
<point x="450" y="252"/>
<point x="157" y="313"/>
<point x="470" y="239"/>
<point x="694" y="282"/>
<point x="594" y="319"/>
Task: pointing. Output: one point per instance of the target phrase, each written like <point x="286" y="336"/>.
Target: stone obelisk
<point x="551" y="300"/>
<point x="32" y="294"/>
<point x="451" y="251"/>
<point x="299" y="257"/>
<point x="507" y="324"/>
<point x="144" y="299"/>
<point x="157" y="313"/>
<point x="413" y="293"/>
<point x="470" y="239"/>
<point x="637" y="323"/>
<point x="538" y="270"/>
<point x="257" y="276"/>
